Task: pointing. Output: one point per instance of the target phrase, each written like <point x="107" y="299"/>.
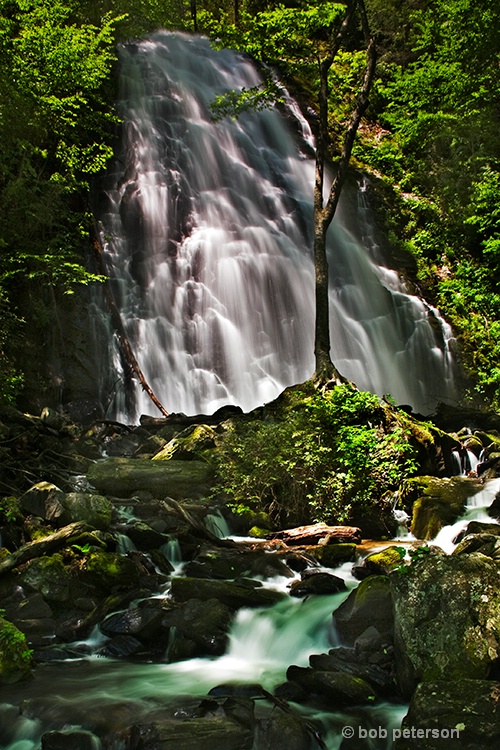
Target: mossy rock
<point x="369" y="604"/>
<point x="191" y="443"/>
<point x="124" y="477"/>
<point x="385" y="561"/>
<point x="435" y="502"/>
<point x="332" y="555"/>
<point x="95" y="510"/>
<point x="462" y="714"/>
<point x="50" y="577"/>
<point x="15" y="656"/>
<point x="109" y="571"/>
<point x="447" y="618"/>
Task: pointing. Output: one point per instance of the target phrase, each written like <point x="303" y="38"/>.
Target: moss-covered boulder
<point x="447" y="618"/>
<point x="50" y="577"/>
<point x="381" y="563"/>
<point x="462" y="714"/>
<point x="123" y="477"/>
<point x="192" y="443"/>
<point x="369" y="604"/>
<point x="108" y="571"/>
<point x="15" y="656"/>
<point x="434" y="503"/>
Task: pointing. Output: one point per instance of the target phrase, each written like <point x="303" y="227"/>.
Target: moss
<point x="15" y="656"/>
<point x="194" y="442"/>
<point x="108" y="571"/>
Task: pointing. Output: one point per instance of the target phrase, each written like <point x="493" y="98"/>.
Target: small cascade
<point x="465" y="461"/>
<point x="476" y="510"/>
<point x="172" y="552"/>
<point x="208" y="243"/>
<point x="217" y="524"/>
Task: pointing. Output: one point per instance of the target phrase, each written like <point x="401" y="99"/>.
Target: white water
<point x="209" y="243"/>
<point x="263" y="644"/>
<point x="476" y="510"/>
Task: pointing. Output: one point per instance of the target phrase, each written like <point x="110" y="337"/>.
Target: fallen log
<point x="61" y="538"/>
<point x="319" y="533"/>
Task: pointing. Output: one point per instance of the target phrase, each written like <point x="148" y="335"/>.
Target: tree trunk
<point x="323" y="214"/>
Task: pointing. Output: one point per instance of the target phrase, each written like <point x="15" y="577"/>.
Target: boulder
<point x="341" y="688"/>
<point x="15" y="656"/>
<point x="144" y="624"/>
<point x="228" y="563"/>
<point x="332" y="555"/>
<point x="462" y="714"/>
<point x="208" y="733"/>
<point x="360" y="663"/>
<point x="447" y="619"/>
<point x="486" y="544"/>
<point x="192" y="443"/>
<point x="434" y="503"/>
<point x="76" y="739"/>
<point x="283" y="731"/>
<point x="317" y="582"/>
<point x="122" y="477"/>
<point x="144" y="536"/>
<point x="50" y="577"/>
<point x="108" y="571"/>
<point x="381" y="563"/>
<point x="205" y="624"/>
<point x="46" y="501"/>
<point x="369" y="604"/>
<point x="235" y="594"/>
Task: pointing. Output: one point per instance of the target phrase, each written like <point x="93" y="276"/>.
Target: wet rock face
<point x="447" y="619"/>
<point x="461" y="714"/>
<point x="368" y="605"/>
<point x="436" y="502"/>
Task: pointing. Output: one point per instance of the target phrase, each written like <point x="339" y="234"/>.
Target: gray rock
<point x="447" y="619"/>
<point x="207" y="733"/>
<point x="204" y="623"/>
<point x="462" y="714"/>
<point x="144" y="623"/>
<point x="283" y="731"/>
<point x="341" y="688"/>
<point x="234" y="594"/>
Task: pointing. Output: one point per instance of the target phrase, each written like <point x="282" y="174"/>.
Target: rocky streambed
<point x="130" y="619"/>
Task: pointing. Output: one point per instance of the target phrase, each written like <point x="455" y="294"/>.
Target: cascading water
<point x="209" y="246"/>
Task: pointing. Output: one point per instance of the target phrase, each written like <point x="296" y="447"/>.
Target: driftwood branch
<point x="124" y="343"/>
<point x="49" y="544"/>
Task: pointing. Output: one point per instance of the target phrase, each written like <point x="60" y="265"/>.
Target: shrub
<point x="320" y="456"/>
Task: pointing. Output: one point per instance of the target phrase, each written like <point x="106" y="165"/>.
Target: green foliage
<point x="10" y="511"/>
<point x="321" y="457"/>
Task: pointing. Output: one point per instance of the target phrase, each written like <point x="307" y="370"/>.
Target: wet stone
<point x="317" y="582"/>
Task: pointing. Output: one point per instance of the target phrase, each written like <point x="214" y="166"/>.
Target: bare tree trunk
<point x="323" y="214"/>
<point x="194" y="16"/>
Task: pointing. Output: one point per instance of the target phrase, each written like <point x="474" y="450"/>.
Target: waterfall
<point x="208" y="242"/>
